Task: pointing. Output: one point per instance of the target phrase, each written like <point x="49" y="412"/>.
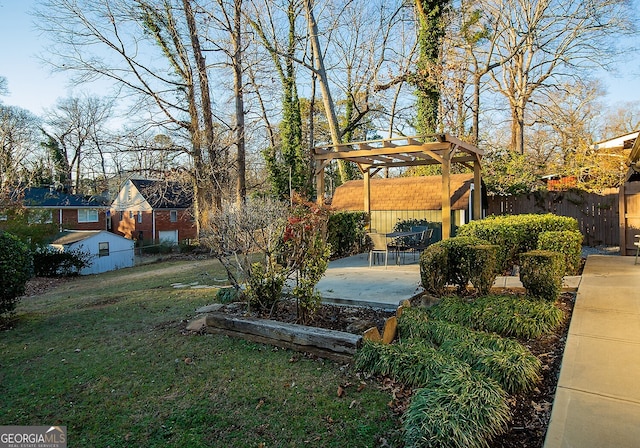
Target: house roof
<point x="74" y="236"/>
<point x="48" y="198"/>
<point x="67" y="237"/>
<point x="404" y="193"/>
<point x="624" y="141"/>
<point x="164" y="194"/>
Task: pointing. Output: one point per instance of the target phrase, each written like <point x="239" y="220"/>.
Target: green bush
<point x="505" y="360"/>
<point x="515" y="234"/>
<point x="461" y="409"/>
<point x="346" y="233"/>
<point x="406" y="224"/>
<point x="566" y="242"/>
<point x="483" y="267"/>
<point x="227" y="295"/>
<point x="16" y="267"/>
<point x="458" y="267"/>
<point x="433" y="269"/>
<point x="51" y="262"/>
<point x="541" y="273"/>
<point x="264" y="286"/>
<point x="507" y="315"/>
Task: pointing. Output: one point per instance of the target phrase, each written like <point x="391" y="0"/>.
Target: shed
<point x="402" y="198"/>
<point x="108" y="250"/>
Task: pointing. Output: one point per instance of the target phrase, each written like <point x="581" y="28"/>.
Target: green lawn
<point x="105" y="356"/>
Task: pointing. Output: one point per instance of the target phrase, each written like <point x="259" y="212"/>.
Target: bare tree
<point x="152" y="50"/>
<point x="542" y="42"/>
<point x="78" y="125"/>
<point x="19" y="143"/>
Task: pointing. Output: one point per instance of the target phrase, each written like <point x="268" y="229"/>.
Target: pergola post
<point x="477" y="192"/>
<point x="367" y="194"/>
<point x="446" y="195"/>
<point x="320" y="184"/>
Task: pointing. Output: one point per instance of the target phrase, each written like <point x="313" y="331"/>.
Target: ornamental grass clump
<point x="505" y="360"/>
<point x="507" y="315"/>
<point x="414" y="363"/>
<point x="460" y="408"/>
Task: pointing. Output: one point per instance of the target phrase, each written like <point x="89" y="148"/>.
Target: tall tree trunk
<point x="238" y="88"/>
<point x="324" y="83"/>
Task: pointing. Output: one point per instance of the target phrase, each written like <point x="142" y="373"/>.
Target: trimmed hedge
<point x="515" y="234"/>
<point x="541" y="273"/>
<point x="566" y="242"/>
<point x="462" y="263"/>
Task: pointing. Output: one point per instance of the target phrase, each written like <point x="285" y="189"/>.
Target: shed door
<point x="168" y="236"/>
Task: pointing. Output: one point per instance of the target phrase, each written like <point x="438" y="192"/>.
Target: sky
<point x="33" y="87"/>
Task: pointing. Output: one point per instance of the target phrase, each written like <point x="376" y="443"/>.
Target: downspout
<point x="60" y="219"/>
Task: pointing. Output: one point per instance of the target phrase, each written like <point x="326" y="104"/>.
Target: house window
<point x="3" y="216"/>
<point x="40" y="217"/>
<point x="103" y="249"/>
<point x="130" y="214"/>
<point x="173" y="214"/>
<point x="88" y="215"/>
<point x="121" y="215"/>
<point x="139" y="216"/>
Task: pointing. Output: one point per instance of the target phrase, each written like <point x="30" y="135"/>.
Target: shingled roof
<point x="404" y="193"/>
<point x="160" y="194"/>
<point x="49" y="198"/>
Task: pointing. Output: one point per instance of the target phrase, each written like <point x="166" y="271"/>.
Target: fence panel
<point x="597" y="214"/>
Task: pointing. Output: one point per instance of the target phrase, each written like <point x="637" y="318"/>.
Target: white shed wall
<point x="121" y="254"/>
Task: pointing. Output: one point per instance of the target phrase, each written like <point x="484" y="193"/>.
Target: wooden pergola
<point x="373" y="155"/>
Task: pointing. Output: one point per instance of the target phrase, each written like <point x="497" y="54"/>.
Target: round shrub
<point x="433" y="269"/>
<point x="460" y="259"/>
<point x="16" y="267"/>
<point x="541" y="273"/>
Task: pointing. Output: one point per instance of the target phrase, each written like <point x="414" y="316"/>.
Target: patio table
<point x="401" y="236"/>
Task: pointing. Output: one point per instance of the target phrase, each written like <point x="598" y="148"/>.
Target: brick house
<point x="67" y="211"/>
<point x="403" y="198"/>
<point x="154" y="211"/>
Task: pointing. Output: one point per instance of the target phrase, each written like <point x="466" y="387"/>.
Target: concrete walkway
<point x="597" y="402"/>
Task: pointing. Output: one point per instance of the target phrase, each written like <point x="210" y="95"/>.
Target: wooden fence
<point x="597" y="214"/>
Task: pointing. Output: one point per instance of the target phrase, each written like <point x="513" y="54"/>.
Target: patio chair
<point x="379" y="241"/>
<point x="423" y="242"/>
<point x="637" y="244"/>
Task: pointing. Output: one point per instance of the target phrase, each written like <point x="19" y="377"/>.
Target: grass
<point x="106" y="356"/>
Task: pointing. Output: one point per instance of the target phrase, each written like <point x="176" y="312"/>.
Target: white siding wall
<point x="120" y="256"/>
